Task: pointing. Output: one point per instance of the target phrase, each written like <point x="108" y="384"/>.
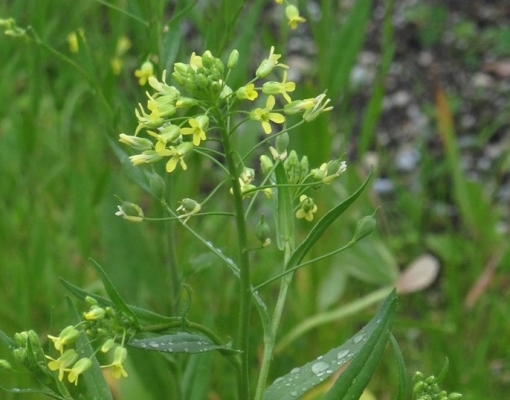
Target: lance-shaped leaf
<point x="351" y="384"/>
<point x="112" y="292"/>
<point x="321" y="226"/>
<point x="53" y="395"/>
<point x="142" y="315"/>
<point x="181" y="342"/>
<point x="300" y="380"/>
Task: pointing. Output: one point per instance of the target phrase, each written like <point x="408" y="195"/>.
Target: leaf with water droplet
<point x="33" y="391"/>
<point x="181" y="342"/>
<point x="314" y="372"/>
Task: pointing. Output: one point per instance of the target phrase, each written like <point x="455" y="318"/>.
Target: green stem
<point x="243" y="379"/>
<point x="270" y="337"/>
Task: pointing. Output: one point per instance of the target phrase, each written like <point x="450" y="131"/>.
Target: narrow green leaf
<point x="197" y="376"/>
<point x="96" y="385"/>
<point x="112" y="292"/>
<point x="142" y="315"/>
<point x="321" y="226"/>
<point x="284" y="212"/>
<point x="353" y="381"/>
<point x="444" y="370"/>
<point x="401" y="367"/>
<point x="343" y="51"/>
<point x="33" y="391"/>
<point x="10" y="343"/>
<point x="301" y="380"/>
<point x="181" y="342"/>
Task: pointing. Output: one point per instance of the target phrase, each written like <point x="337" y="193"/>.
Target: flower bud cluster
<point x="203" y="77"/>
<point x="296" y="169"/>
<point x="428" y="389"/>
<point x="103" y="327"/>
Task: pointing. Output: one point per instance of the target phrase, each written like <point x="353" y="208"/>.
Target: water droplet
<point x="208" y="243"/>
<point x="320" y="357"/>
<point x="154" y="344"/>
<point x="319" y="367"/>
<point x="295" y="370"/>
<point x="277" y="380"/>
<point x="329" y="371"/>
<point x="294" y="394"/>
<point x="186" y="349"/>
<point x="342" y="354"/>
<point x="358" y="338"/>
<point x="378" y="320"/>
<point x="143" y="345"/>
<point x="304" y="389"/>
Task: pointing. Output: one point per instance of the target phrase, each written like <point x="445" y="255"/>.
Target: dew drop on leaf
<point x="358" y="338"/>
<point x="342" y="354"/>
<point x="295" y="370"/>
<point x="319" y="367"/>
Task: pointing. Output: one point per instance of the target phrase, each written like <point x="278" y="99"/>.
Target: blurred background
<point x="421" y="94"/>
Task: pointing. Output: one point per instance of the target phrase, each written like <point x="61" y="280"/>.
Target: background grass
<point x="60" y="168"/>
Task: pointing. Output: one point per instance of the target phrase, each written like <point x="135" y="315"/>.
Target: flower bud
<point x="95" y="313"/>
<point x="135" y="142"/>
<point x="108" y="345"/>
<point x="298" y="106"/>
<point x="20" y="355"/>
<point x="4" y="364"/>
<point x="247" y="175"/>
<point x="262" y="231"/>
<point x="454" y="396"/>
<point x="90" y="301"/>
<point x="157" y="185"/>
<point x="232" y="59"/>
<point x="225" y="92"/>
<point x="281" y="143"/>
<point x="365" y="227"/>
<point x="21" y="338"/>
<point x="266" y="165"/>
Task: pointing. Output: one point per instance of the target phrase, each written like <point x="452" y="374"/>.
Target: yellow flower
<point x="308" y="208"/>
<point x="65" y="360"/>
<point x="79" y="368"/>
<point x="280" y="87"/>
<point x="293" y="16"/>
<point x="119" y="357"/>
<point x="198" y="125"/>
<point x="67" y="336"/>
<point x="72" y="40"/>
<point x="144" y="73"/>
<point x="264" y="115"/>
<point x="247" y="92"/>
<point x="177" y="155"/>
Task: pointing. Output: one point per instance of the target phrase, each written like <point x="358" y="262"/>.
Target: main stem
<point x="243" y="379"/>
